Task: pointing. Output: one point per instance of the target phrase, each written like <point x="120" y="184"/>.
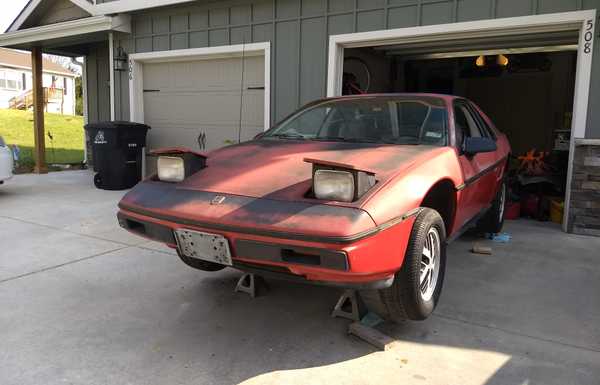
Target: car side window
<point x="485" y="129"/>
<point x="465" y="124"/>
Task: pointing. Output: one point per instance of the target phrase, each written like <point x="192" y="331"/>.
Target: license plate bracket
<point x="204" y="246"/>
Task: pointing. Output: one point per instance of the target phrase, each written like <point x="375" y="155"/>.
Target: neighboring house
<point x="16" y="83"/>
<point x="177" y="65"/>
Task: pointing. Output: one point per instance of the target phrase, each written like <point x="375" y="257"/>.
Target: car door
<point x="494" y="161"/>
<point x="478" y="182"/>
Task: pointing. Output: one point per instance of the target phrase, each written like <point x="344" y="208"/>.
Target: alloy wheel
<point x="430" y="264"/>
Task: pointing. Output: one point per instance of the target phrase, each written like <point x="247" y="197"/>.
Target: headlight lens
<point x="171" y="169"/>
<point x="334" y="185"/>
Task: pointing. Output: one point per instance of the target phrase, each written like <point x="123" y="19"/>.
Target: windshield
<point x="368" y="120"/>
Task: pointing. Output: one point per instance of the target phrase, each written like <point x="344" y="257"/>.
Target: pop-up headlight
<point x="170" y="169"/>
<point x="339" y="182"/>
<point x="176" y="164"/>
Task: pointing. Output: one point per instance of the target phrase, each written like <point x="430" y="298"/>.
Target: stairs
<point x="24" y="101"/>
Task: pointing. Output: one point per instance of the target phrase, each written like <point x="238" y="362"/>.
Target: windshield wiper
<point x="287" y="136"/>
<point x="342" y="139"/>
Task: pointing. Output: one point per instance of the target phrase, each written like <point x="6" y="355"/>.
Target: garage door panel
<point x="215" y="136"/>
<point x="204" y="75"/>
<point x="215" y="108"/>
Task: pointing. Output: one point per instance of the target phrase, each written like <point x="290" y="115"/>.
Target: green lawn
<point x="16" y="127"/>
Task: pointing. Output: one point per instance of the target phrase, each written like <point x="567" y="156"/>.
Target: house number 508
<point x="588" y="37"/>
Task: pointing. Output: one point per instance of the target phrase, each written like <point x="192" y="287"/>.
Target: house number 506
<point x="588" y="36"/>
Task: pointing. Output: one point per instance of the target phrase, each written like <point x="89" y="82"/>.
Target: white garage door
<point x="196" y="104"/>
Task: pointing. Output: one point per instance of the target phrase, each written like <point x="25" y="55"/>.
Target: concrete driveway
<point x="82" y="302"/>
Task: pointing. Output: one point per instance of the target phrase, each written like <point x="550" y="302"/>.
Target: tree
<point x="78" y="96"/>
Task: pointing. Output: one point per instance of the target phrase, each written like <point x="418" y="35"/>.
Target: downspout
<point x="111" y="66"/>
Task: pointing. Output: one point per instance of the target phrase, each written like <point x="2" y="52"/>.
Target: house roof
<point x="22" y="60"/>
<point x="100" y="9"/>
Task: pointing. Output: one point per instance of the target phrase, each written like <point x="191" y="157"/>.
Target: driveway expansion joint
<point x="62" y="265"/>
<point x="514" y="333"/>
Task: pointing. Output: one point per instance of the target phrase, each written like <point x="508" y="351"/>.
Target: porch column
<point x="38" y="112"/>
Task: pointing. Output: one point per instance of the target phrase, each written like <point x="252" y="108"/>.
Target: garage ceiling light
<point x="502" y="60"/>
<point x="480" y="61"/>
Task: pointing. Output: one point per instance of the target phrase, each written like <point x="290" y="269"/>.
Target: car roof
<point x="445" y="99"/>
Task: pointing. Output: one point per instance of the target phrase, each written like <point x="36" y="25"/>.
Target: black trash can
<point x="117" y="150"/>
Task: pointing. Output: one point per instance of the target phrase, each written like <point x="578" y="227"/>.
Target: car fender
<point x="405" y="192"/>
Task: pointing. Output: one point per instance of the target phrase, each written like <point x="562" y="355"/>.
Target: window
<point x="10" y="80"/>
<point x="64" y="86"/>
<point x="369" y="120"/>
<point x="485" y="128"/>
<point x="465" y="124"/>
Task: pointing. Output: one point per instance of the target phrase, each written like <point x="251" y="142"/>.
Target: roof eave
<point x="119" y="23"/>
<point x="31" y="6"/>
<point x="47" y="71"/>
<point x="112" y="7"/>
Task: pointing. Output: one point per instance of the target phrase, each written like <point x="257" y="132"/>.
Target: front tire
<point x="418" y="285"/>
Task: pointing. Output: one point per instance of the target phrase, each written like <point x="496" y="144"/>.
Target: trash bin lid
<point x="116" y="125"/>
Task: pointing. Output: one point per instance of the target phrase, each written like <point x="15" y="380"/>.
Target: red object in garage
<point x="530" y="205"/>
<point x="512" y="211"/>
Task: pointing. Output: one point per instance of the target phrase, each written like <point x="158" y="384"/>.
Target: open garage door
<point x="530" y="74"/>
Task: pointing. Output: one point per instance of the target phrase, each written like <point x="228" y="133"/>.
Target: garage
<point x="526" y="77"/>
<point x="206" y="98"/>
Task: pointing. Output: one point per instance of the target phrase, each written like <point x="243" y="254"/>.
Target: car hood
<point x="276" y="169"/>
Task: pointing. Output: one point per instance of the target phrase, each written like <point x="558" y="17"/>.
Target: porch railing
<point x="24" y="101"/>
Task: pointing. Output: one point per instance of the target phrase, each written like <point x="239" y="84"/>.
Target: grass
<point x="16" y="127"/>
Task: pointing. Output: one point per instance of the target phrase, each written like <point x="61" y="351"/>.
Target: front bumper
<point x="368" y="262"/>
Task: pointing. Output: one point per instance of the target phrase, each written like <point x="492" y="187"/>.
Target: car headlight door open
<point x="339" y="182"/>
<point x="176" y="164"/>
<point x="171" y="169"/>
<point x="333" y="185"/>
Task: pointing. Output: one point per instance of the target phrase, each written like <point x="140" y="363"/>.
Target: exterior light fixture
<point x="120" y="60"/>
<point x="502" y="60"/>
<point x="480" y="61"/>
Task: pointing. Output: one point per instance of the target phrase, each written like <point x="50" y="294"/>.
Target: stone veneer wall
<point x="584" y="214"/>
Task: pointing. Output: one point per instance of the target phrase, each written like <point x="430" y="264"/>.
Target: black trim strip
<point x="475" y="177"/>
<point x="271" y="272"/>
<point x="275" y="234"/>
<point x="280" y="252"/>
<point x="468" y="224"/>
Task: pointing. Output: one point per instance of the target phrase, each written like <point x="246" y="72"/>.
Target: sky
<point x="10" y="10"/>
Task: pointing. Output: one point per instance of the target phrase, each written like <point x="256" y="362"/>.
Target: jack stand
<point x="250" y="284"/>
<point x="349" y="306"/>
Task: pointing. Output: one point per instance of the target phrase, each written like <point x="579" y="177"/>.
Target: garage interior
<point x="524" y="83"/>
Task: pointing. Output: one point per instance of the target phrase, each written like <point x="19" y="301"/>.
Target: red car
<point x="358" y="192"/>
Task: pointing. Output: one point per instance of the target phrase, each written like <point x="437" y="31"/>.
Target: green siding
<point x="98" y="80"/>
<point x="299" y="30"/>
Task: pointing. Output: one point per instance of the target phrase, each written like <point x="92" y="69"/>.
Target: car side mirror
<point x="478" y="145"/>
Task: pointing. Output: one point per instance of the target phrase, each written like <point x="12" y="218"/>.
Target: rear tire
<point x="199" y="264"/>
<point x="418" y="285"/>
<point x="493" y="220"/>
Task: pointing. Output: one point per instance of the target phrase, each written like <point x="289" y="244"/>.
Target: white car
<point x="6" y="161"/>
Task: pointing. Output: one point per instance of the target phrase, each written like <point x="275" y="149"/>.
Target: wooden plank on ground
<point x="372" y="336"/>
